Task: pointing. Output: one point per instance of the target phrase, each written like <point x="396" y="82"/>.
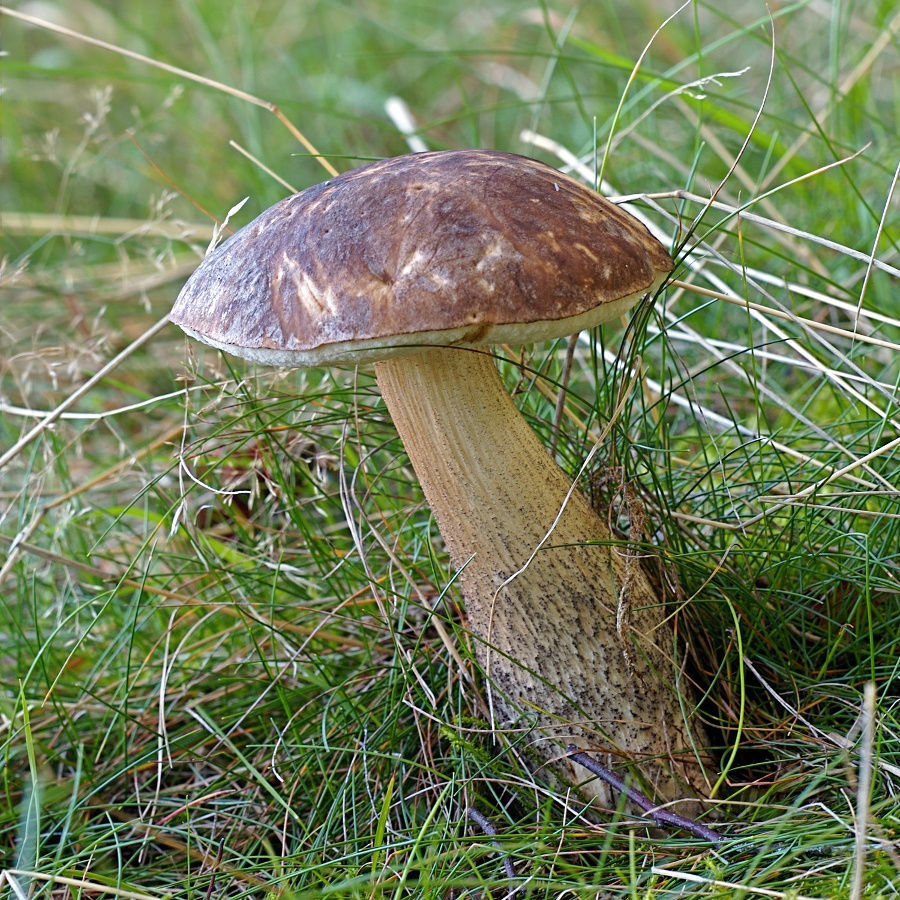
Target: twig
<point x="661" y="816"/>
<point x="212" y="880"/>
<point x="488" y="827"/>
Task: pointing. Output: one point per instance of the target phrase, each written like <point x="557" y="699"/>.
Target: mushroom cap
<point x="455" y="247"/>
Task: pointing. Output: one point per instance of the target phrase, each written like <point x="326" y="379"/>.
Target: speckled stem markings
<point x="548" y="638"/>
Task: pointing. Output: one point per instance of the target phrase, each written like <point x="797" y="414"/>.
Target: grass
<point x="231" y="643"/>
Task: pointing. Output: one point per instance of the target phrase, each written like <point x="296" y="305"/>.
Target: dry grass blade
<point x="757" y="311"/>
<point x="864" y="789"/>
<point x="262" y="166"/>
<point x="787" y="316"/>
<point x="743" y="213"/>
<point x="84" y="884"/>
<point x="51" y="223"/>
<point x="781" y="502"/>
<point x="637" y="65"/>
<point x="878" y="233"/>
<point x="730" y="885"/>
<point x="94" y="380"/>
<point x="183" y="73"/>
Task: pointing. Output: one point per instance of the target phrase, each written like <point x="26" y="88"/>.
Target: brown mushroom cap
<point x="455" y="247"/>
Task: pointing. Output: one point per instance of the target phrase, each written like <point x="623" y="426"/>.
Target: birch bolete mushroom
<point x="414" y="263"/>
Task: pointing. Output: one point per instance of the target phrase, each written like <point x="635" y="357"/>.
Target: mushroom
<point x="418" y="264"/>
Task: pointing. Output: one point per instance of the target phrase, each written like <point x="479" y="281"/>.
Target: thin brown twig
<point x="182" y="73"/>
<point x="660" y="816"/>
<point x="212" y="880"/>
<point x="488" y="827"/>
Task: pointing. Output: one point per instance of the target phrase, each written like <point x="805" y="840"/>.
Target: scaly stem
<point x="545" y="622"/>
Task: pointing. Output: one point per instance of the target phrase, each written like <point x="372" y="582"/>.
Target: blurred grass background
<point x="220" y="673"/>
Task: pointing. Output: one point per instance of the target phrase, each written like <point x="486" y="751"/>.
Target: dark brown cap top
<point x="461" y="246"/>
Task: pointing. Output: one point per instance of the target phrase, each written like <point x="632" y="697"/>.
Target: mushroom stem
<point x="544" y="621"/>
